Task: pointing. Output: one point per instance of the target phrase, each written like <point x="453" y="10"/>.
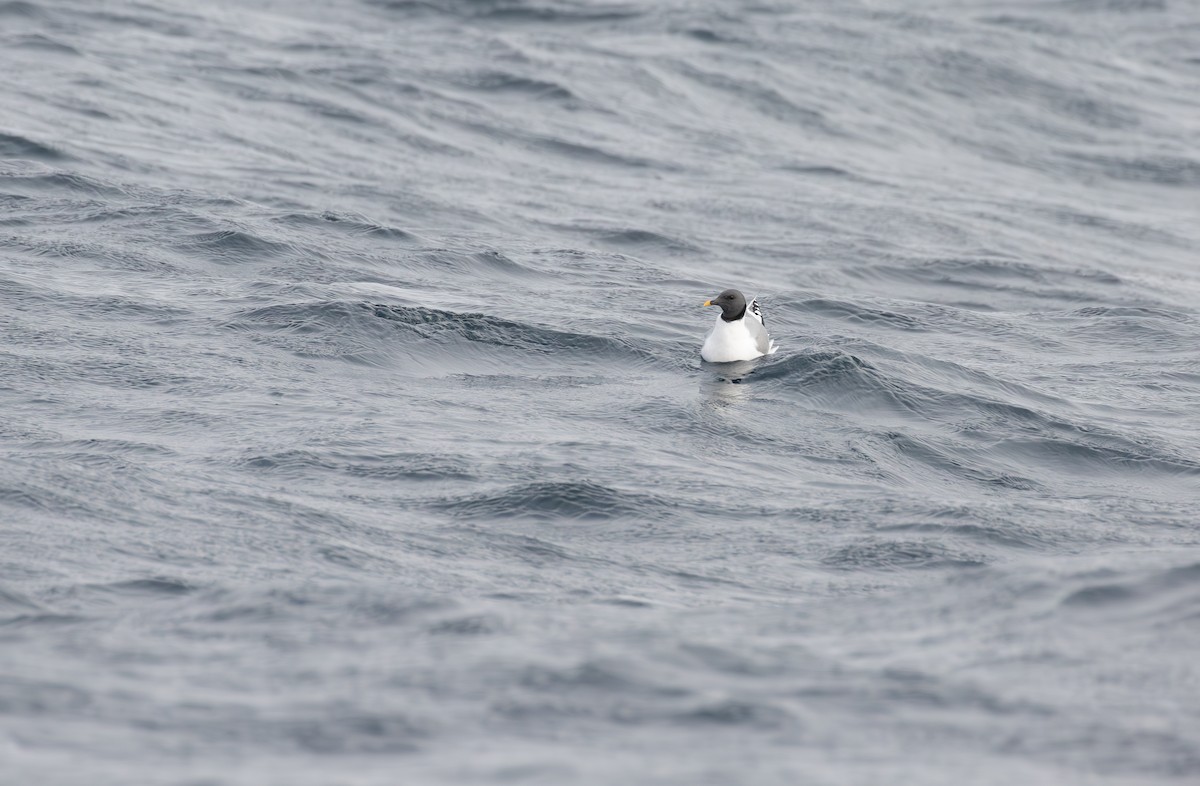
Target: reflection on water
<point x="722" y="383"/>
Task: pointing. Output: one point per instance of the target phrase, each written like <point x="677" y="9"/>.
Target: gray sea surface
<point x="353" y="428"/>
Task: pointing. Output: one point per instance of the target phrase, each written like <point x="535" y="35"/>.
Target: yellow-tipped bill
<point x="708" y="302"/>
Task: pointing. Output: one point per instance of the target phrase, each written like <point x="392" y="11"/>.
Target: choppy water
<point x="353" y="429"/>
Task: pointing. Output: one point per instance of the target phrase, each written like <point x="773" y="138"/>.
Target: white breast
<point x="729" y="341"/>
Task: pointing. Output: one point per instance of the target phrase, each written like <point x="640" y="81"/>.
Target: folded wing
<point x="758" y="329"/>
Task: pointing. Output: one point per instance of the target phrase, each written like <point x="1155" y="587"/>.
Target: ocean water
<point x="353" y="428"/>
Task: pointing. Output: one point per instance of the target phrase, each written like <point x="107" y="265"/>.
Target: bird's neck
<point x="735" y="317"/>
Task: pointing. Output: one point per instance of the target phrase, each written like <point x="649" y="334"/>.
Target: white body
<point x="741" y="339"/>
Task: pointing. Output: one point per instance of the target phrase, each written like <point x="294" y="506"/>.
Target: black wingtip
<point x="757" y="311"/>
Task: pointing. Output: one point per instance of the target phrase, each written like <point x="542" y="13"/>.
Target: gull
<point x="739" y="333"/>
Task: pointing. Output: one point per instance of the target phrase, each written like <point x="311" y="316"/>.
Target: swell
<point x="369" y="332"/>
<point x="36" y="302"/>
<point x="581" y="501"/>
<point x="987" y="440"/>
<point x="15" y="146"/>
<point x="880" y="554"/>
<point x="234" y="246"/>
<point x="499" y="332"/>
<point x="497" y="82"/>
<point x="549" y="11"/>
<point x="365" y="466"/>
<point x="21" y="8"/>
<point x="1172" y="593"/>
<point x="36" y="179"/>
<point x="357" y="226"/>
<point x="1176" y="171"/>
<point x="981" y="277"/>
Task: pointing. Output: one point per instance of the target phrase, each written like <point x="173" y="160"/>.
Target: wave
<point x="499" y="332"/>
<point x="353" y="225"/>
<point x="14" y="146"/>
<point x="982" y="275"/>
<point x="876" y="554"/>
<point x="1151" y="600"/>
<point x="992" y="441"/>
<point x="462" y="341"/>
<point x="233" y="246"/>
<point x="854" y="312"/>
<point x="21" y="8"/>
<point x="377" y="466"/>
<point x="494" y="82"/>
<point x="1167" y="170"/>
<point x="557" y="501"/>
<point x="36" y="178"/>
<point x="557" y="11"/>
<point x="149" y="588"/>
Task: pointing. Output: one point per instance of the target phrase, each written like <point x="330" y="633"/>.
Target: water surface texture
<point x="353" y="428"/>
